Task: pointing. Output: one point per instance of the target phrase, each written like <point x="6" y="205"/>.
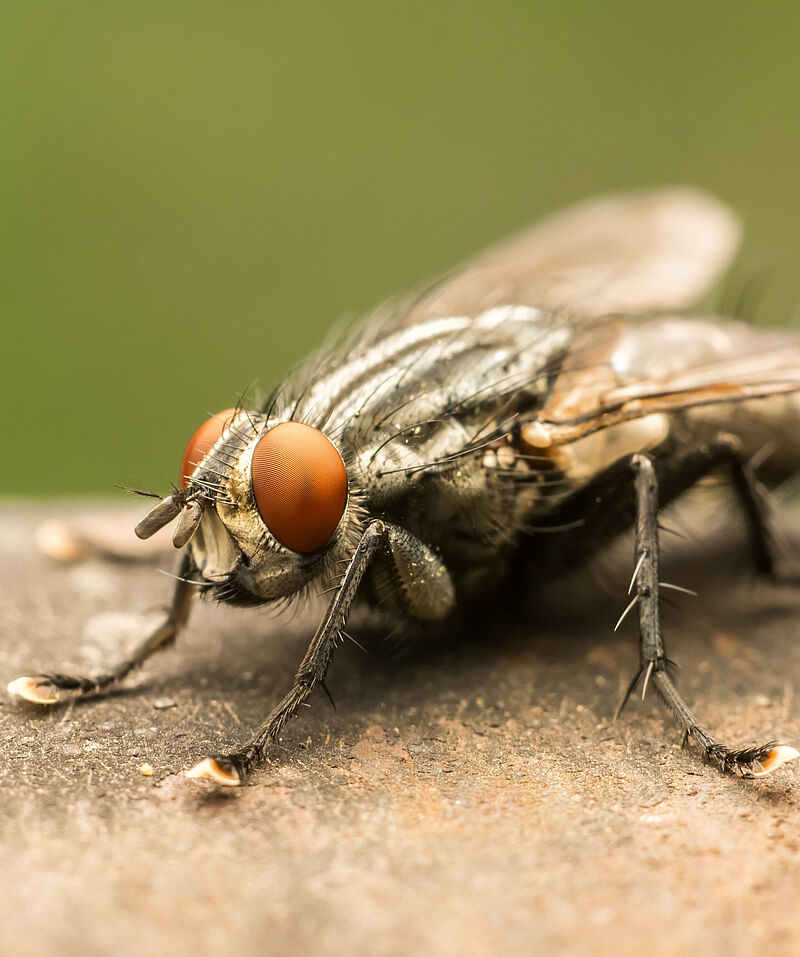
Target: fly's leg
<point x="754" y="499"/>
<point x="747" y="762"/>
<point x="46" y="689"/>
<point x="233" y="769"/>
<point x="429" y="593"/>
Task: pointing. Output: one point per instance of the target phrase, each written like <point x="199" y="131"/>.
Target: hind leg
<point x="653" y="661"/>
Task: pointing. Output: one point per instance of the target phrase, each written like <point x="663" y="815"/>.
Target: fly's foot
<point x="46" y="689"/>
<point x="38" y="689"/>
<point x="752" y="762"/>
<point x="229" y="770"/>
<point x="755" y="762"/>
<point x="219" y="770"/>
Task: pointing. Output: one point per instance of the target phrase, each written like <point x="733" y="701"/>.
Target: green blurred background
<point x="192" y="193"/>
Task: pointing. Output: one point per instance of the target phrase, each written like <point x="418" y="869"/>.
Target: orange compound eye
<point x="300" y="485"/>
<point x="202" y="442"/>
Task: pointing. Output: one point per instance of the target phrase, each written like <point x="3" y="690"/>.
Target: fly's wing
<point x="629" y="254"/>
<point x="721" y="373"/>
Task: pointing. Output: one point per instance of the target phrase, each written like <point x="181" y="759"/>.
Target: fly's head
<point x="262" y="504"/>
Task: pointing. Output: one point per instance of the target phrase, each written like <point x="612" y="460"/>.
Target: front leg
<point x="429" y="593"/>
<point x="745" y="762"/>
<point x="47" y="689"/>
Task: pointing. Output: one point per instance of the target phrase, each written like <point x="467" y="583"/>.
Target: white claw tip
<point x="210" y="769"/>
<point x="36" y="690"/>
<point x="774" y="758"/>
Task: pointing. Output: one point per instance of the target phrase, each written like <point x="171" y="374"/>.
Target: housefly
<point x="552" y="385"/>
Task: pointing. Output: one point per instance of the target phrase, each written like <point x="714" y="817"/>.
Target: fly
<point x="553" y="385"/>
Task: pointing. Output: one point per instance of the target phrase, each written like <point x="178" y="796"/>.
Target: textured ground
<point x="471" y="801"/>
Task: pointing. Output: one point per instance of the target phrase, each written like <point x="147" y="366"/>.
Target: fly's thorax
<point x="425" y="394"/>
<point x="277" y="513"/>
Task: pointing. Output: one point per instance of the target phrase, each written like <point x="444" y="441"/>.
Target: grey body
<point x="471" y="419"/>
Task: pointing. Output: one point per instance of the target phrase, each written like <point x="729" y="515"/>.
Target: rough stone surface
<point x="476" y="799"/>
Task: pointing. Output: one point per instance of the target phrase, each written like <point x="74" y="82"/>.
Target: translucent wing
<point x="721" y="374"/>
<point x="632" y="254"/>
